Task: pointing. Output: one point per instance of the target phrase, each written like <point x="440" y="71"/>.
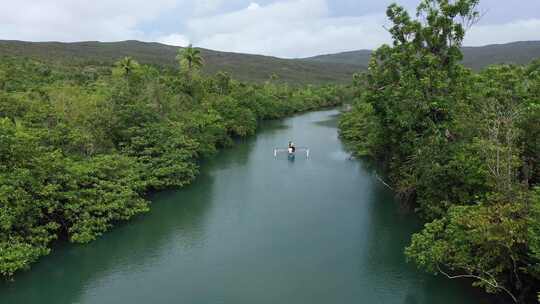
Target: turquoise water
<point x="253" y="229"/>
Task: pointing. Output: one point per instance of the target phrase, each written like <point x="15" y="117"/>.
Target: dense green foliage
<point x="463" y="148"/>
<point x="81" y="146"/>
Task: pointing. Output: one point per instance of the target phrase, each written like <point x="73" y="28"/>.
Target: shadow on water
<point x="133" y="244"/>
<point x="238" y="154"/>
<point x="271" y="126"/>
<point x="331" y="122"/>
<point x="229" y="157"/>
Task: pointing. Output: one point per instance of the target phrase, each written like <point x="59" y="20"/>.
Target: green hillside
<point x="522" y="52"/>
<point x="352" y="57"/>
<point x="332" y="68"/>
<point x="241" y="66"/>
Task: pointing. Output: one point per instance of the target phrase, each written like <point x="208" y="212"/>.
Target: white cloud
<point x="286" y="28"/>
<point x="301" y="28"/>
<point x="76" y="20"/>
<point x="297" y="28"/>
<point x="203" y="7"/>
<point x="518" y="30"/>
<point x="174" y="39"/>
<point x="253" y="6"/>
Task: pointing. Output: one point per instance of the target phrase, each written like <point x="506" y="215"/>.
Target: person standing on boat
<point x="291" y="148"/>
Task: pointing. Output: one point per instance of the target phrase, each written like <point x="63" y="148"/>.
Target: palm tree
<point x="127" y="65"/>
<point x="191" y="57"/>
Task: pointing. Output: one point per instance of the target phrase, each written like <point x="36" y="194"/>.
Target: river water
<point x="253" y="229"/>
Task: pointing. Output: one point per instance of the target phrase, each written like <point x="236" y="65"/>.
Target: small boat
<point x="291" y="152"/>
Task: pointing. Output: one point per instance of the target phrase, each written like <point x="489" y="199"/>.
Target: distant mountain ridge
<point x="521" y="52"/>
<point x="349" y="57"/>
<point x="241" y="66"/>
<point x="331" y="68"/>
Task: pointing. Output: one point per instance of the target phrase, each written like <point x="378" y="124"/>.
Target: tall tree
<point x="190" y="58"/>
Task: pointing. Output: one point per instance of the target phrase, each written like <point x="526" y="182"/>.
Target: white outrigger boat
<point x="291" y="152"/>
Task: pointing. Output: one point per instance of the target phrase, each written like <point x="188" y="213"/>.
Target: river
<point x="253" y="229"/>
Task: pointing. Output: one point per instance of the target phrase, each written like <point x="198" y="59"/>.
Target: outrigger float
<point x="291" y="152"/>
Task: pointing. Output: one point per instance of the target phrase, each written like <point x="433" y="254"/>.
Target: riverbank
<point x="253" y="229"/>
<point x="81" y="147"/>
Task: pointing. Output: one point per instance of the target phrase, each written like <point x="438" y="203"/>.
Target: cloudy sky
<point x="284" y="28"/>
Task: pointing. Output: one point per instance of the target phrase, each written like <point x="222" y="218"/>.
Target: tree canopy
<point x="459" y="147"/>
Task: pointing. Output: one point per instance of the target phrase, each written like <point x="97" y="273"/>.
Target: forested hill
<point x="522" y="52"/>
<point x="332" y="68"/>
<point x="241" y="66"/>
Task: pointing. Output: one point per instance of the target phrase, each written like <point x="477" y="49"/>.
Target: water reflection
<point x="234" y="156"/>
<point x="291" y="158"/>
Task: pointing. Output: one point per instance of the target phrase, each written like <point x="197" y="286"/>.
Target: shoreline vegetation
<point x="81" y="146"/>
<point x="462" y="148"/>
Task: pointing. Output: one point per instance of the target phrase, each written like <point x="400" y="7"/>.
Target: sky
<point x="282" y="28"/>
